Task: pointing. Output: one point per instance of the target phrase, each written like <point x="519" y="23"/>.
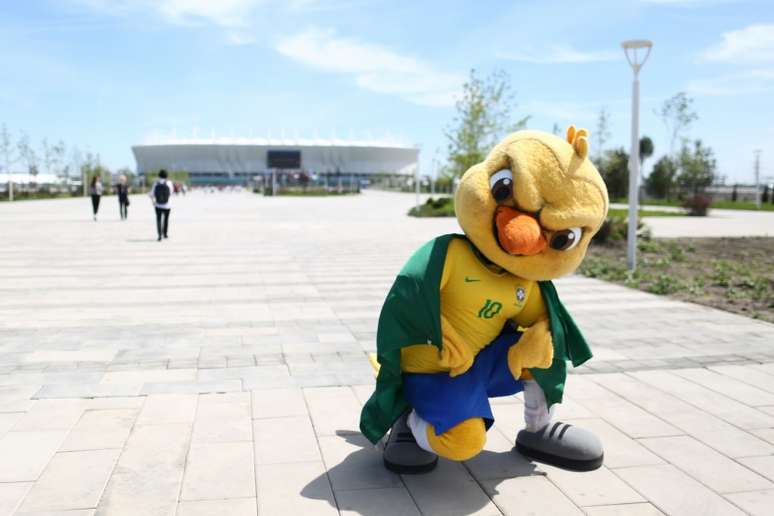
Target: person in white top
<point x="161" y="195"/>
<point x="95" y="189"/>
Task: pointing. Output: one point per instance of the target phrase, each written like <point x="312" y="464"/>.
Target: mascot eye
<point x="565" y="239"/>
<point x="501" y="184"/>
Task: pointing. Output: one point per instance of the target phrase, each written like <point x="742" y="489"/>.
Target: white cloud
<point x="560" y="55"/>
<point x="744" y="83"/>
<point x="752" y="44"/>
<point x="689" y="3"/>
<point x="374" y="67"/>
<point x="225" y="13"/>
<point x="560" y="111"/>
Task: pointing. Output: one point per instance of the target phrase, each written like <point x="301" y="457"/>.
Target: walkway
<point x="221" y="372"/>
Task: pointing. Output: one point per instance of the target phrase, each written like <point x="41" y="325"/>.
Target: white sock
<point x="418" y="427"/>
<point x="536" y="413"/>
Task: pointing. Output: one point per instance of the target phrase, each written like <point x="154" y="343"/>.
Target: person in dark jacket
<point x="95" y="190"/>
<point x="161" y="193"/>
<point x="122" y="189"/>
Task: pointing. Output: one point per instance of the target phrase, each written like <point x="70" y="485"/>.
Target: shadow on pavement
<point x="363" y="485"/>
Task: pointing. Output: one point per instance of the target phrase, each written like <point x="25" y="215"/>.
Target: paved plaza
<point x="222" y="372"/>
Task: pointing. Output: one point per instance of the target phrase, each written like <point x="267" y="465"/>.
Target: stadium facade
<point x="239" y="161"/>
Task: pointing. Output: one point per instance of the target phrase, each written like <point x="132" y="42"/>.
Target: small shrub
<point x="697" y="205"/>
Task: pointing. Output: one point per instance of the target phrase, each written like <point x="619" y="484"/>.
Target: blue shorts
<point x="445" y="402"/>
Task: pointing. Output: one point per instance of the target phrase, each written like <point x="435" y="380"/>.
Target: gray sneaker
<point x="563" y="445"/>
<point x="403" y="455"/>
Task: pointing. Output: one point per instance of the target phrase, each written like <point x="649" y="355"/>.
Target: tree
<point x="677" y="114"/>
<point x="697" y="167"/>
<point x="603" y="132"/>
<point x="28" y="154"/>
<point x="662" y="179"/>
<point x="57" y="159"/>
<point x="483" y="115"/>
<point x="8" y="151"/>
<point x="646" y="149"/>
<point x="614" y="168"/>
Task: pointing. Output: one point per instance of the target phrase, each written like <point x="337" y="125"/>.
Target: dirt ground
<point x="733" y="274"/>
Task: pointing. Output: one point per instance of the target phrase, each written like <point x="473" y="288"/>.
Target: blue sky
<point x="104" y="75"/>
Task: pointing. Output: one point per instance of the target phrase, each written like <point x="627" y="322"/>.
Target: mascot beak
<point x="518" y="233"/>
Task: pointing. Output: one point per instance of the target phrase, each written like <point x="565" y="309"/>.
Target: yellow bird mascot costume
<point x="475" y="316"/>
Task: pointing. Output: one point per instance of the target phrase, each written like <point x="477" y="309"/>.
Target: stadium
<point x="241" y="161"/>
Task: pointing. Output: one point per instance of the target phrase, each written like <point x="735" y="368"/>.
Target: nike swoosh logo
<point x="470" y="280"/>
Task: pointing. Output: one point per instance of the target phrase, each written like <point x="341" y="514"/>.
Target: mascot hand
<point x="534" y="349"/>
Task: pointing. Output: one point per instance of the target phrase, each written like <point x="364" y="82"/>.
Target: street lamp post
<point x="636" y="61"/>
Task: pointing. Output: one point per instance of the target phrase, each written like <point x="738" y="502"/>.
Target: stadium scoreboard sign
<point x="283" y="159"/>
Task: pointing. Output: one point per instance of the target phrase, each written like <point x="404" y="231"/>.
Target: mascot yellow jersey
<point x="477" y="299"/>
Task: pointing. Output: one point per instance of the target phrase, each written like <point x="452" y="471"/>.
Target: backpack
<point x="161" y="193"/>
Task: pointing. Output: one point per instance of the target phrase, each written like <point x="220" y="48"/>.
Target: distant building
<point x="238" y="161"/>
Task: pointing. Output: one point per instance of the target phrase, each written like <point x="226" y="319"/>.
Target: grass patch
<point x="624" y="213"/>
<point x="434" y="207"/>
<point x="720" y="205"/>
<point x="31" y="196"/>
<point x="733" y="274"/>
<point x="309" y="192"/>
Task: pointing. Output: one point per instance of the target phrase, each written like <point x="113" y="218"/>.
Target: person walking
<point x="123" y="196"/>
<point x="160" y="194"/>
<point x="95" y="190"/>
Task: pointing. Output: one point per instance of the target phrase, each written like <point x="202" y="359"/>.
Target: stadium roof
<point x="282" y="142"/>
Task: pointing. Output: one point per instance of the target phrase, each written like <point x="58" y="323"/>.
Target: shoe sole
<point x="403" y="469"/>
<point x="562" y="462"/>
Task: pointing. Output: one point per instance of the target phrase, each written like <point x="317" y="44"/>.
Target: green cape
<point x="412" y="315"/>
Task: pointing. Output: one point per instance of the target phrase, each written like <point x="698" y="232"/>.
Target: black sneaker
<point x="403" y="455"/>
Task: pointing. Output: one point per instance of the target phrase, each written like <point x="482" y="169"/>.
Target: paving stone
<point x="191" y="388"/>
<point x="763" y="465"/>
<point x="51" y="415"/>
<point x="728" y="386"/>
<point x="754" y="503"/>
<point x="218" y="471"/>
<point x="150" y="376"/>
<point x="675" y="492"/>
<point x="222" y="422"/>
<point x="711" y="468"/>
<point x="11" y="496"/>
<point x="147" y="478"/>
<point x="716" y="433"/>
<point x="449" y="491"/>
<point x="161" y="409"/>
<point x="393" y="501"/>
<point x="73" y="480"/>
<point x="712" y="402"/>
<point x="233" y="507"/>
<point x="26" y="454"/>
<point x="298" y="488"/>
<point x="598" y="487"/>
<point x="101" y="429"/>
<point x="8" y="421"/>
<point x="354" y="463"/>
<point x="273" y="403"/>
<point x="628" y="509"/>
<point x="615" y="409"/>
<point x="620" y="449"/>
<point x="285" y="439"/>
<point x="333" y="409"/>
<point x="748" y="375"/>
<point x="87" y="391"/>
<point x="529" y="495"/>
<point x="85" y="512"/>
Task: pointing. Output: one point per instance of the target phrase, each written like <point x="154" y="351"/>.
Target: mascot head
<point x="533" y="205"/>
